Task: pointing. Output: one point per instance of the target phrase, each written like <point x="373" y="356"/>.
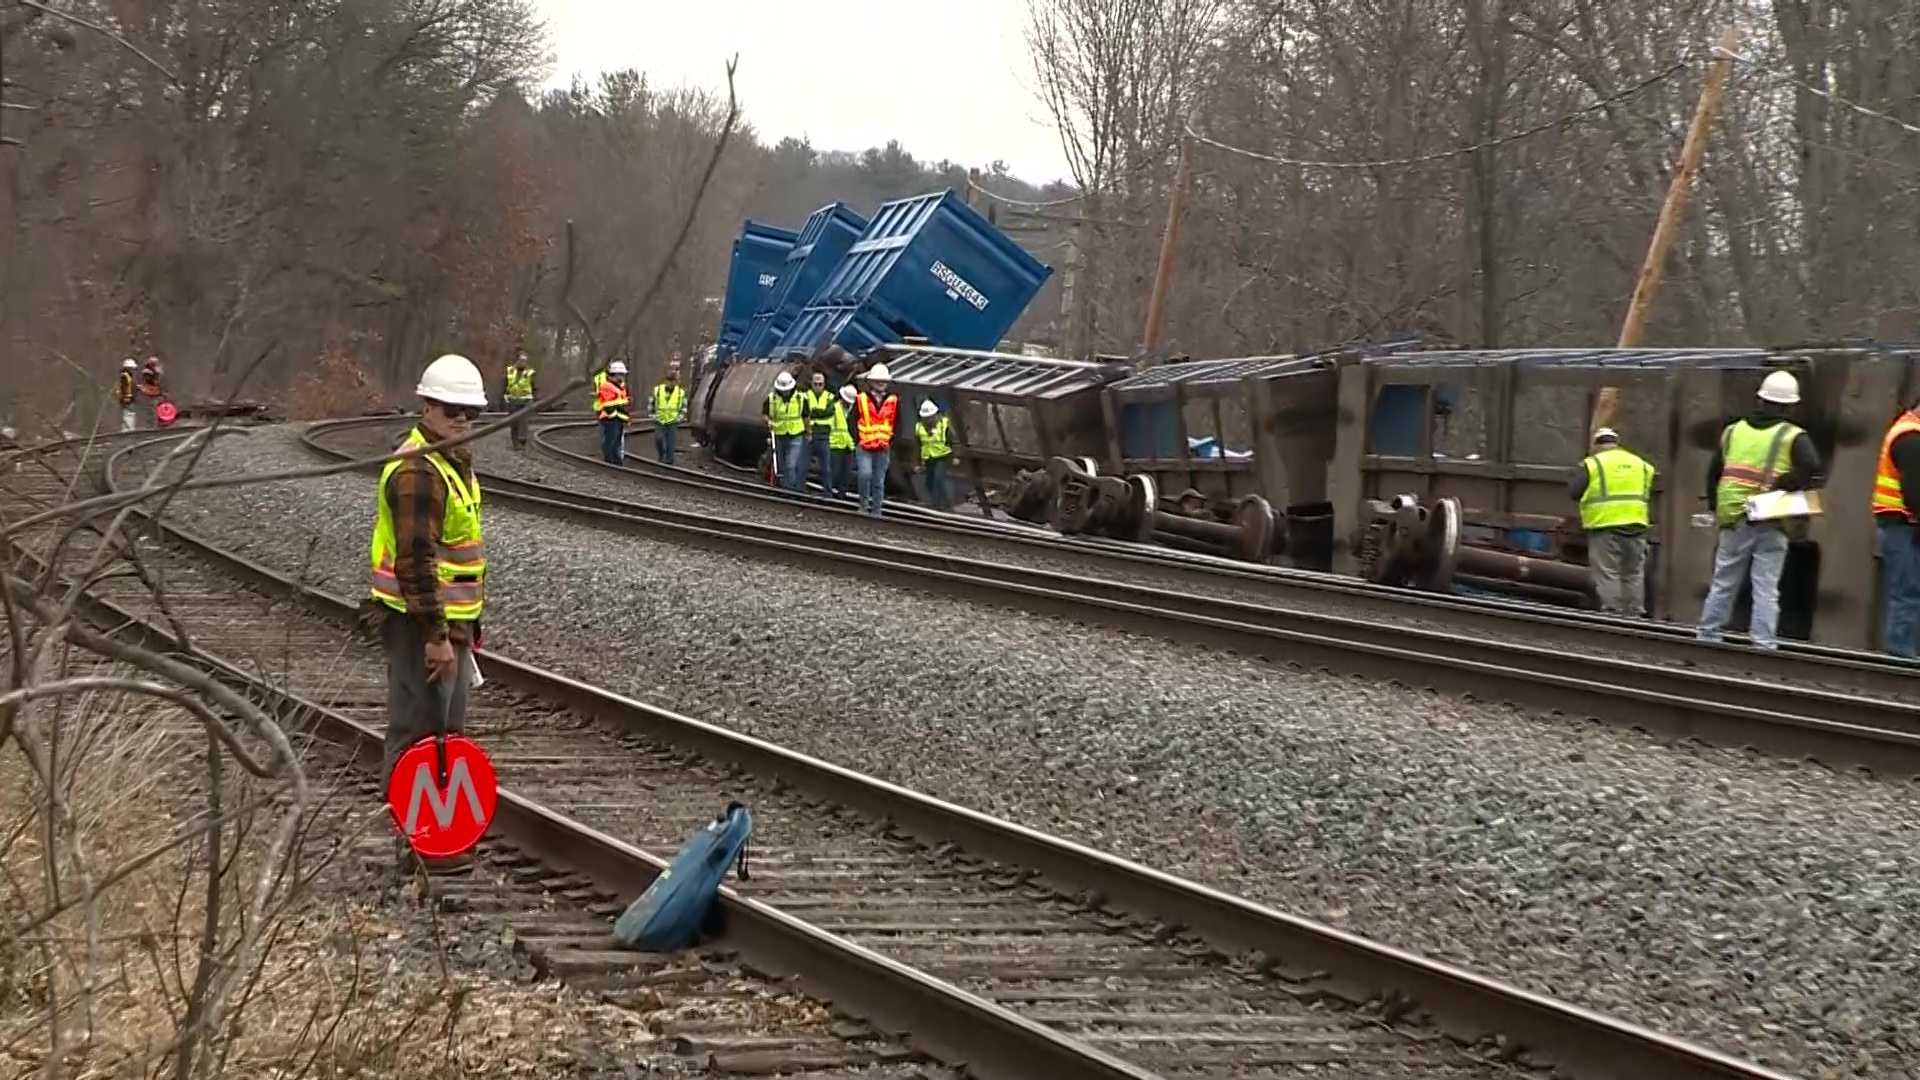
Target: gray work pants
<point x="415" y="706"/>
<point x="1617" y="563"/>
<point x="1742" y="545"/>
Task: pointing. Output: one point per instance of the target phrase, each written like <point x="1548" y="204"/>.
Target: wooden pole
<point x="1669" y="223"/>
<point x="1163" y="274"/>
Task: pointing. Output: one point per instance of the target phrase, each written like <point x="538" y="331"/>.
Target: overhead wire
<point x="1821" y="92"/>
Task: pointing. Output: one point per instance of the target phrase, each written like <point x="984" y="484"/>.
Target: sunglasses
<point x="458" y="412"/>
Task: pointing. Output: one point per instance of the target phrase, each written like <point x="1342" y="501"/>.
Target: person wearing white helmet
<point x="429" y="562"/>
<point x="1760" y="452"/>
<point x="123" y="393"/>
<point x="1614" y="487"/>
<point x="875" y="411"/>
<point x="787" y="420"/>
<point x="934" y="433"/>
<point x="840" y="443"/>
<point x="612" y="406"/>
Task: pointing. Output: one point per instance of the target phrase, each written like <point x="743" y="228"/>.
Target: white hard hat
<point x="128" y="364"/>
<point x="783" y="381"/>
<point x="847" y="393"/>
<point x="453" y="380"/>
<point x="1606" y="433"/>
<point x="1781" y="388"/>
<point x="878" y="373"/>
<point x="616" y="368"/>
<point x="928" y="408"/>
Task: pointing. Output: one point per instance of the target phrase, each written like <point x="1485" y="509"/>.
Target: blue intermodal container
<point x="825" y="238"/>
<point x="928" y="267"/>
<point x="758" y="257"/>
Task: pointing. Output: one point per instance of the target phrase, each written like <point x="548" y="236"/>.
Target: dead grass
<point x="336" y="385"/>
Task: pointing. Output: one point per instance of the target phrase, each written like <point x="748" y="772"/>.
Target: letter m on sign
<point x="459" y="783"/>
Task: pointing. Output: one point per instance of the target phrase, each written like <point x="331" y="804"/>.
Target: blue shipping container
<point x="758" y="255"/>
<point x="822" y="242"/>
<point x="929" y="267"/>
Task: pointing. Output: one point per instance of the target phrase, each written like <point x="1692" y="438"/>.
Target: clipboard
<point x="1779" y="505"/>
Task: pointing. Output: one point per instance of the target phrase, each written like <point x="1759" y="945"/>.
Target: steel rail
<point x="1469" y="1006"/>
<point x="1873" y="672"/>
<point x="944" y="1020"/>
<point x="1834" y="727"/>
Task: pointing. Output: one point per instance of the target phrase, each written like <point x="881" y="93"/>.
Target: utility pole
<point x="1163" y="274"/>
<point x="1669" y="224"/>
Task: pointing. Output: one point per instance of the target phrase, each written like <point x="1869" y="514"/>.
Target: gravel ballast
<point x="1767" y="908"/>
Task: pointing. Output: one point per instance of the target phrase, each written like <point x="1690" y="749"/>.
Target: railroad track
<point x="1013" y="952"/>
<point x="1795" y="711"/>
<point x="1671" y="644"/>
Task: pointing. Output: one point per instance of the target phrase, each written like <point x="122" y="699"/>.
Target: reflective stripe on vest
<point x="1888" y="498"/>
<point x="873" y="424"/>
<point x="933" y="440"/>
<point x="819" y="409"/>
<point x="519" y="382"/>
<point x="784" y="415"/>
<point x="1751" y="459"/>
<point x="1619" y="488"/>
<point x="611" y="402"/>
<point x="842" y="436"/>
<point x="667" y="399"/>
<point x="460" y="560"/>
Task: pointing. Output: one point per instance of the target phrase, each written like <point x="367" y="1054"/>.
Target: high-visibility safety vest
<point x="820" y="409"/>
<point x="599" y="380"/>
<point x="873" y="424"/>
<point x="611" y="401"/>
<point x="933" y="440"/>
<point x="667" y="400"/>
<point x="460" y="561"/>
<point x="1751" y="459"/>
<point x="841" y="438"/>
<point x="1619" y="489"/>
<point x="519" y="382"/>
<point x="785" y="414"/>
<point x="1887" y="496"/>
<point x="123" y="389"/>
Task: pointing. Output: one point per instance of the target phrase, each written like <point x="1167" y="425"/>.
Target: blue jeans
<point x="822" y="456"/>
<point x="613" y="441"/>
<point x="937" y="482"/>
<point x="663" y="441"/>
<point x="1900" y="578"/>
<point x="871" y="465"/>
<point x="1744" y="544"/>
<point x="842" y="471"/>
<point x="792" y="451"/>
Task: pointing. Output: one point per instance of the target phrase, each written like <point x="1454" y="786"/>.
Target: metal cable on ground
<point x="1460" y="151"/>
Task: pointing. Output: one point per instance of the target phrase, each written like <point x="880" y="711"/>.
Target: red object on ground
<point x="441" y="819"/>
<point x="165" y="413"/>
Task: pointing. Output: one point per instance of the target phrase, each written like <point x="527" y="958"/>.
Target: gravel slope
<point x="1767" y="908"/>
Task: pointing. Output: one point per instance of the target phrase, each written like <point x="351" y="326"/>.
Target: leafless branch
<point x="108" y="33"/>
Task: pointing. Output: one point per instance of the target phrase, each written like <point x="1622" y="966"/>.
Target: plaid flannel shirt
<point x="417" y="498"/>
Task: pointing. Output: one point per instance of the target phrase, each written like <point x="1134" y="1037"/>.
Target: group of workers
<point x="142" y="399"/>
<point x="613" y="407"/>
<point x="850" y="434"/>
<point x="1757" y="483"/>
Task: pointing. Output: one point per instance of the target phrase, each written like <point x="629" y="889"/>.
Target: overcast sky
<point x="949" y="80"/>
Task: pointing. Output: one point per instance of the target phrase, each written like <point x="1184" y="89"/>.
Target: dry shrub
<point x="335" y="385"/>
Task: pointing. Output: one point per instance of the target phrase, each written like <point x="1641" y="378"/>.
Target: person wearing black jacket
<point x="1760" y="452"/>
<point x="1896" y="510"/>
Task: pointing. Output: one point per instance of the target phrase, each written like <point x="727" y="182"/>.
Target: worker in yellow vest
<point x="840" y="442"/>
<point x="934" y="433"/>
<point x="1896" y="510"/>
<point x="1759" y="453"/>
<point x="611" y="407"/>
<point x="519" y="394"/>
<point x="787" y="420"/>
<point x="123" y="393"/>
<point x="819" y="405"/>
<point x="669" y="405"/>
<point x="1614" y="488"/>
<point x="429" y="565"/>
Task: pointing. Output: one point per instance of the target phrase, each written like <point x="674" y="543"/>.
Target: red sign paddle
<point x="442" y="814"/>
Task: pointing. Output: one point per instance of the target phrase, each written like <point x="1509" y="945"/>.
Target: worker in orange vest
<point x="1896" y="510"/>
<point x="612" y="406"/>
<point x="874" y="413"/>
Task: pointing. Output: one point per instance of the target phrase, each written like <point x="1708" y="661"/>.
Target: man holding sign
<point x="428" y="587"/>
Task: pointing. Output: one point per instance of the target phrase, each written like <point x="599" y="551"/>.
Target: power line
<point x="1827" y="94"/>
<point x="1441" y="155"/>
<point x="996" y="197"/>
